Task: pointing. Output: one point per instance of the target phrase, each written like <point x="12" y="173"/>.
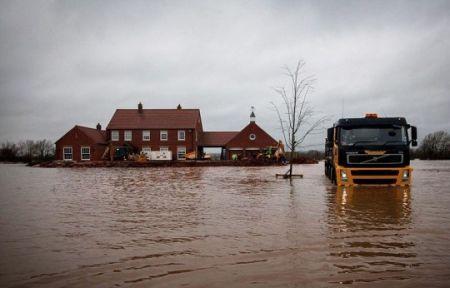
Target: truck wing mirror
<point x="413" y="136"/>
<point x="330" y="135"/>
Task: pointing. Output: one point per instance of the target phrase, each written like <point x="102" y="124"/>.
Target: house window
<point x="146" y="135"/>
<point x="86" y="153"/>
<point x="181" y="153"/>
<point x="114" y="135"/>
<point x="181" y="135"/>
<point x="67" y="153"/>
<point x="128" y="135"/>
<point x="163" y="135"/>
<point x="163" y="148"/>
<point x="252" y="137"/>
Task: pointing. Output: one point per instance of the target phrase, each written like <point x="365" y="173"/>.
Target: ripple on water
<point x="220" y="227"/>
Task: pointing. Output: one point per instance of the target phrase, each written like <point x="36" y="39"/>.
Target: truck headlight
<point x="343" y="175"/>
<point x="405" y="174"/>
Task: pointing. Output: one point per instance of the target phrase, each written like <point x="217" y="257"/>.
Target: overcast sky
<point x="74" y="62"/>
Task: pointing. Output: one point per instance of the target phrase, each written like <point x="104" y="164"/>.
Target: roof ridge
<point x="254" y="124"/>
<point x="161" y="109"/>
<point x="155" y="118"/>
<point x="81" y="126"/>
<point x="85" y="127"/>
<point x="221" y="131"/>
<point x="85" y="130"/>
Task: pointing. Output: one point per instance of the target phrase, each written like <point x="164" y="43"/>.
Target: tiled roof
<point x="242" y="138"/>
<point x="217" y="138"/>
<point x="154" y="119"/>
<point x="98" y="136"/>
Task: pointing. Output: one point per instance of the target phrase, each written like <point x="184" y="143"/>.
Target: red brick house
<point x="81" y="144"/>
<point x="144" y="130"/>
<point x="177" y="130"/>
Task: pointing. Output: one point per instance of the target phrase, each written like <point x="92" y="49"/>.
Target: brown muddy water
<point x="220" y="227"/>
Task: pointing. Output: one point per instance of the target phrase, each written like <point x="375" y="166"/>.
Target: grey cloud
<point x="73" y="62"/>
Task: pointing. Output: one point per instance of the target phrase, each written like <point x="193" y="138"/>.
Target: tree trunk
<point x="291" y="156"/>
<point x="290" y="168"/>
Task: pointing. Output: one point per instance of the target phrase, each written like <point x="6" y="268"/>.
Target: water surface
<point x="220" y="227"/>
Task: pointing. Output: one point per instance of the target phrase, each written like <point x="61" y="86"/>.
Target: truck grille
<point x="374" y="181"/>
<point x="374" y="172"/>
<point x="367" y="159"/>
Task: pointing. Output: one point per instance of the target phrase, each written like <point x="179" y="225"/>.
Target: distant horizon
<point x="304" y="148"/>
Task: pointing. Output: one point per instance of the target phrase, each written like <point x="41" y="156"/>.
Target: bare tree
<point x="8" y="152"/>
<point x="435" y="145"/>
<point x="44" y="148"/>
<point x="27" y="149"/>
<point x="295" y="115"/>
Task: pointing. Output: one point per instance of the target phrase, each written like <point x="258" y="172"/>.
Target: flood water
<point x="220" y="227"/>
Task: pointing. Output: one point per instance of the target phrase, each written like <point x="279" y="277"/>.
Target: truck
<point x="370" y="151"/>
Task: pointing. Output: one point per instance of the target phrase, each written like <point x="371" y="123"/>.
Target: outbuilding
<point x="247" y="143"/>
<point x="82" y="144"/>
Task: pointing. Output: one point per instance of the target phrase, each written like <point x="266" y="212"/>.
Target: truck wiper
<point x="362" y="141"/>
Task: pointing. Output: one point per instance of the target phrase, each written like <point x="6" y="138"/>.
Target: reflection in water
<point x="142" y="205"/>
<point x="369" y="233"/>
<point x="219" y="227"/>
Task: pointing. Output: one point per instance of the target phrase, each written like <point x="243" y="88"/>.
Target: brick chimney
<point x="99" y="127"/>
<point x="179" y="107"/>
<point x="140" y="107"/>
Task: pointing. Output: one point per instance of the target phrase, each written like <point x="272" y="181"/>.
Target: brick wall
<point x="259" y="140"/>
<point x="77" y="139"/>
<point x="155" y="141"/>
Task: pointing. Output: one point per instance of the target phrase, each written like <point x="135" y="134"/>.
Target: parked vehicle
<point x="369" y="150"/>
<point x="121" y="153"/>
<point x="161" y="155"/>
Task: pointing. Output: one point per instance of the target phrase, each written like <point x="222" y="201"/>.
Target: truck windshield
<point x="373" y="136"/>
